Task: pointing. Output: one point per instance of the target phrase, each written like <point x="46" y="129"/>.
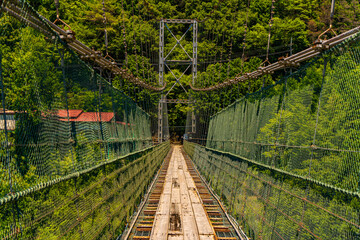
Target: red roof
<point x="72" y="113"/>
<point x="95" y="117"/>
<point x="80" y="116"/>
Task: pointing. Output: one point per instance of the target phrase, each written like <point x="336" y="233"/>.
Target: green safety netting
<point x="76" y="153"/>
<point x="94" y="205"/>
<point x="268" y="204"/>
<point x="292" y="151"/>
<point x="306" y="124"/>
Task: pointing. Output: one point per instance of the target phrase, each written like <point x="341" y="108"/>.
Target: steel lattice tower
<point x="163" y="62"/>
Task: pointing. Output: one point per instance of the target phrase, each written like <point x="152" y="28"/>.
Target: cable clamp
<point x="319" y="46"/>
<point x="288" y="62"/>
<point x="69" y="35"/>
<point x="264" y="70"/>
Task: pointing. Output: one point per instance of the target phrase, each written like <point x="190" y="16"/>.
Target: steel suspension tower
<point x="164" y="62"/>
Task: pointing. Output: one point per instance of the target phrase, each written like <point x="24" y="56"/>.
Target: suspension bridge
<point x="269" y="147"/>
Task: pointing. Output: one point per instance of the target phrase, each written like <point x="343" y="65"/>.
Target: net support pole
<point x="161" y="81"/>
<point x="193" y="121"/>
<point x="160" y="119"/>
<point x="194" y="60"/>
<point x="194" y="72"/>
<point x="161" y="53"/>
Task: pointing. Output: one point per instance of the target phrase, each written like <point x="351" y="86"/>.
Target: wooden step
<point x="141" y="237"/>
<point x="144" y="227"/>
<point x="149" y="212"/>
<point x="221" y="228"/>
<point x="214" y="213"/>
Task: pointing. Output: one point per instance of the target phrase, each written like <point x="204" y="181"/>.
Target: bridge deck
<point x="181" y="207"/>
<point x="180" y="214"/>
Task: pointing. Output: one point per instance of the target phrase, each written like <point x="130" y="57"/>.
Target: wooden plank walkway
<point x="180" y="214"/>
<point x="180" y="205"/>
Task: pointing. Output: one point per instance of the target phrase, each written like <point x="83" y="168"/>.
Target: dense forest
<point x="133" y="31"/>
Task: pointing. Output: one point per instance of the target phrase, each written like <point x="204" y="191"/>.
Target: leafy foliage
<point x="132" y="28"/>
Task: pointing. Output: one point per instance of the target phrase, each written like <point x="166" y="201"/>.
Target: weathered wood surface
<point x="180" y="214"/>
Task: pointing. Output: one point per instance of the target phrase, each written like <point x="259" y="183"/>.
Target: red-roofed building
<point x="80" y="116"/>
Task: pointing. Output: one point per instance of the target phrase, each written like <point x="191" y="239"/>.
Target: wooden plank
<point x="141" y="237"/>
<point x="180" y="214"/>
<point x="189" y="222"/>
<point x="207" y="237"/>
<point x="202" y="221"/>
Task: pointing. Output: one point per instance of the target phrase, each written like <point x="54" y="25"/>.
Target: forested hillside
<point x="133" y="32"/>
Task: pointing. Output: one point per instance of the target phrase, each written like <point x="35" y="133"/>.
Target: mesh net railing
<point x="270" y="205"/>
<point x="285" y="159"/>
<point x="94" y="205"/>
<point x="76" y="153"/>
